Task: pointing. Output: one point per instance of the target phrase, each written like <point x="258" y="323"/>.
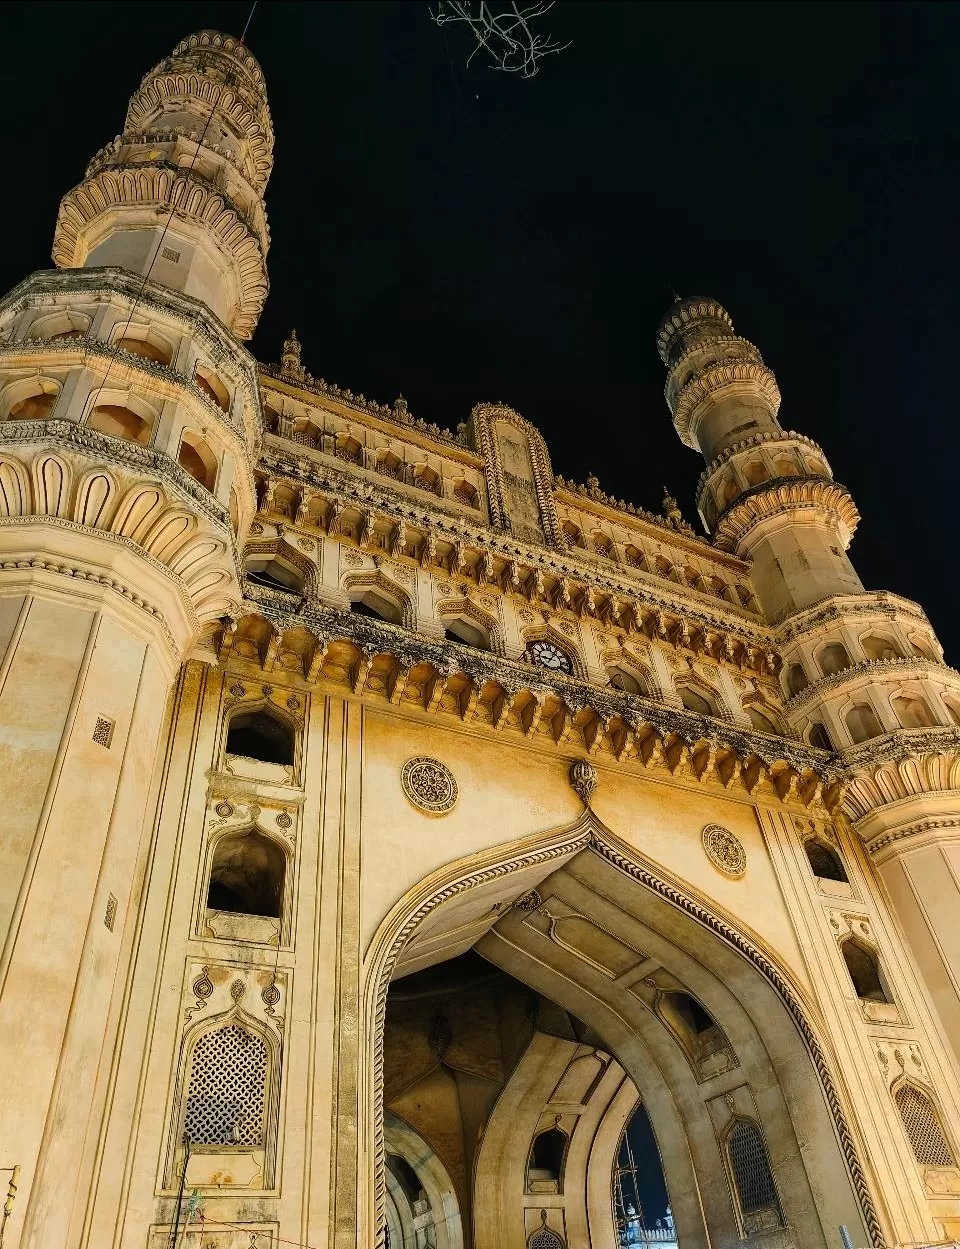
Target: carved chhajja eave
<point x="876" y="672"/>
<point x="191" y="198"/>
<point x="728" y="375"/>
<point x="902" y="765"/>
<point x="780" y="497"/>
<point x="390" y="664"/>
<point x="386" y="523"/>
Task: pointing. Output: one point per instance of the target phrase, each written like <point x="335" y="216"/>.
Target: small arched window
<point x="834" y="658"/>
<point x="630" y="683"/>
<point x="912" y="712"/>
<point x="876" y="648"/>
<point x="197" y="457"/>
<point x="924" y="1127"/>
<point x="863" y="723"/>
<point x="305" y="433"/>
<point x="602" y="545"/>
<point x="796" y="679"/>
<point x="572" y="534"/>
<point x="369" y="602"/>
<point x="824" y="860"/>
<point x="226" y="1094"/>
<point x="634" y="557"/>
<point x="247" y="874"/>
<point x="271" y="420"/>
<point x="819" y="737"/>
<point x="696" y="701"/>
<point x="145" y="344"/>
<point x="120" y="421"/>
<point x="750" y="1165"/>
<point x="466" y="494"/>
<point x="234" y="511"/>
<point x="759" y="720"/>
<point x="35" y="407"/>
<point x="347" y="448"/>
<point x="953" y="710"/>
<point x="546" y="1158"/>
<point x="864" y="968"/>
<point x="426" y="478"/>
<point x="212" y="386"/>
<point x="718" y="587"/>
<point x="756" y="473"/>
<point x="786" y="468"/>
<point x="664" y="567"/>
<point x="390" y="465"/>
<point x="274" y="572"/>
<point x="463" y="629"/>
<point x="259" y="735"/>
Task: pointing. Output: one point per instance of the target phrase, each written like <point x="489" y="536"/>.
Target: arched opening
<point x="548" y="655"/>
<point x="274" y="572"/>
<point x="545" y="1168"/>
<point x="347" y="448"/>
<point x="34" y="407"/>
<point x="197" y="457"/>
<point x="306" y="433"/>
<point x="247" y="875"/>
<point x="372" y="602"/>
<point x="63" y="324"/>
<point x="234" y="511"/>
<point x="924" y="650"/>
<point x="760" y="720"/>
<point x="271" y="420"/>
<point x="260" y="735"/>
<point x="696" y="700"/>
<point x="864" y="968"/>
<point x="786" y="468"/>
<point x="628" y="682"/>
<point x="463" y="629"/>
<point x="833" y="659"/>
<point x="390" y="465"/>
<point x="572" y="534"/>
<point x="824" y="860"/>
<point x="756" y="472"/>
<point x="664" y="568"/>
<point x="877" y="648"/>
<point x="641" y="1206"/>
<point x="576" y="1060"/>
<point x="120" y="421"/>
<point x="146" y="344"/>
<point x="912" y="712"/>
<point x="953" y="710"/>
<point x="426" y="478"/>
<point x="863" y="723"/>
<point x="212" y="386"/>
<point x="602" y="545"/>
<point x="797" y="680"/>
<point x="819" y="737"/>
<point x="634" y="557"/>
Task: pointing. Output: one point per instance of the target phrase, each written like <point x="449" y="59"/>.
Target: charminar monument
<point x="397" y="834"/>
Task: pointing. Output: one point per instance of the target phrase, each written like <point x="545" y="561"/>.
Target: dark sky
<point x="462" y="235"/>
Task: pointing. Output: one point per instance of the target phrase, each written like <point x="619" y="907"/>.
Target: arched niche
<point x="122" y="415"/>
<point x="876" y="647"/>
<point x="262" y="734"/>
<point x="737" y="984"/>
<point x="30" y="399"/>
<point x="866" y="974"/>
<point x="697" y="698"/>
<point x="912" y="711"/>
<point x="198" y="458"/>
<point x="247" y="875"/>
<point x="63" y="324"/>
<point x="761" y="718"/>
<point x="275" y="571"/>
<point x="833" y="658"/>
<point x="628" y="680"/>
<point x="797" y="679"/>
<point x="818" y="736"/>
<point x="824" y="860"/>
<point x="545" y="1164"/>
<point x="212" y="386"/>
<point x="862" y="722"/>
<point x="144" y="341"/>
<point x="380" y="599"/>
<point x="421" y="1189"/>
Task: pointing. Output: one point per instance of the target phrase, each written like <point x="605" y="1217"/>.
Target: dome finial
<point x="671" y="509"/>
<point x="290" y="363"/>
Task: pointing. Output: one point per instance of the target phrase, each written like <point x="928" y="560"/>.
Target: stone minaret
<point x="130" y="419"/>
<point x="863" y="673"/>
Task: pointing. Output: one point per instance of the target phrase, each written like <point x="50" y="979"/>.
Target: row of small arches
<point x="834" y="657"/>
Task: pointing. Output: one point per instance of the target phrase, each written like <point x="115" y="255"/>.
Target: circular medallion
<point x="224" y="810"/>
<point x="284" y="819"/>
<point x="724" y="850"/>
<point x="429" y="785"/>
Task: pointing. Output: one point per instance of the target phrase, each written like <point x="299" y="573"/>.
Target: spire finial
<point x="290" y="364"/>
<point x="671" y="509"/>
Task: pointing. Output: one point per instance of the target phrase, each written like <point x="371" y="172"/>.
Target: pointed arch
<point x="530" y="861"/>
<point x="262" y="554"/>
<point x="359" y="586"/>
<point x="52" y="485"/>
<point x="489" y="626"/>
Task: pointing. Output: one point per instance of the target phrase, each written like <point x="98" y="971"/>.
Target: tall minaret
<point x="863" y="673"/>
<point x="129" y="421"/>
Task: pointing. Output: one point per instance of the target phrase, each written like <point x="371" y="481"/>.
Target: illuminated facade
<point x="388" y="818"/>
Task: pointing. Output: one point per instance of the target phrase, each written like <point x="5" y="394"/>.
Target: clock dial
<point x="547" y="655"/>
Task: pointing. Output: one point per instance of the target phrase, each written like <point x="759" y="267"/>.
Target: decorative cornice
<point x="915" y="832"/>
<point x="900" y="765"/>
<point x="898" y="668"/>
<point x="685" y="313"/>
<point x="748" y="444"/>
<point x="714" y="379"/>
<point x="780" y="496"/>
<point x="388" y="661"/>
<point x="835" y="609"/>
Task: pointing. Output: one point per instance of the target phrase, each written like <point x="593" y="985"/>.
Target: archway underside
<point x="671" y="1007"/>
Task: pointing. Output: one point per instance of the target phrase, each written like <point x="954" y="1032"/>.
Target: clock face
<point x="546" y="655"/>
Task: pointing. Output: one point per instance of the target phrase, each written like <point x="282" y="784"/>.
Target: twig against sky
<point x="504" y="32"/>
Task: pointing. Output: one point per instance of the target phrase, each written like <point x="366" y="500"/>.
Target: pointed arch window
<point x="756" y="1191"/>
<point x="547" y="1154"/>
<point x="924" y="1128"/>
<point x="259" y="735"/>
<point x="864" y="968"/>
<point x="226" y="1094"/>
<point x="247" y="875"/>
<point x="824" y="860"/>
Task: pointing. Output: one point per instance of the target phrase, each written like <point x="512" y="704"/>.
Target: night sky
<point x="461" y="235"/>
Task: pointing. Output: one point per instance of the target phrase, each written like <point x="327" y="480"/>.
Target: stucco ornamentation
<point x="429" y="785"/>
<point x="724" y="850"/>
<point x="583" y="778"/>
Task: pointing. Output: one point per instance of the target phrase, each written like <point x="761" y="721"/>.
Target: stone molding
<point x="836" y="609"/>
<point x="684" y="313"/>
<point x="747" y="444"/>
<point x="901" y="765"/>
<point x="912" y="836"/>
<point x="588" y="833"/>
<point x="777" y="498"/>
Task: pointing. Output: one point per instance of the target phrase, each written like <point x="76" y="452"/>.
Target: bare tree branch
<point x="502" y="32"/>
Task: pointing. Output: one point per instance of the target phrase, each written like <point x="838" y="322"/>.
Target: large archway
<point x="592" y="927"/>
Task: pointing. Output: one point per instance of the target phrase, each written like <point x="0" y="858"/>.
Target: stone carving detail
<point x="724" y="850"/>
<point x="583" y="778"/>
<point x="429" y="785"/>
